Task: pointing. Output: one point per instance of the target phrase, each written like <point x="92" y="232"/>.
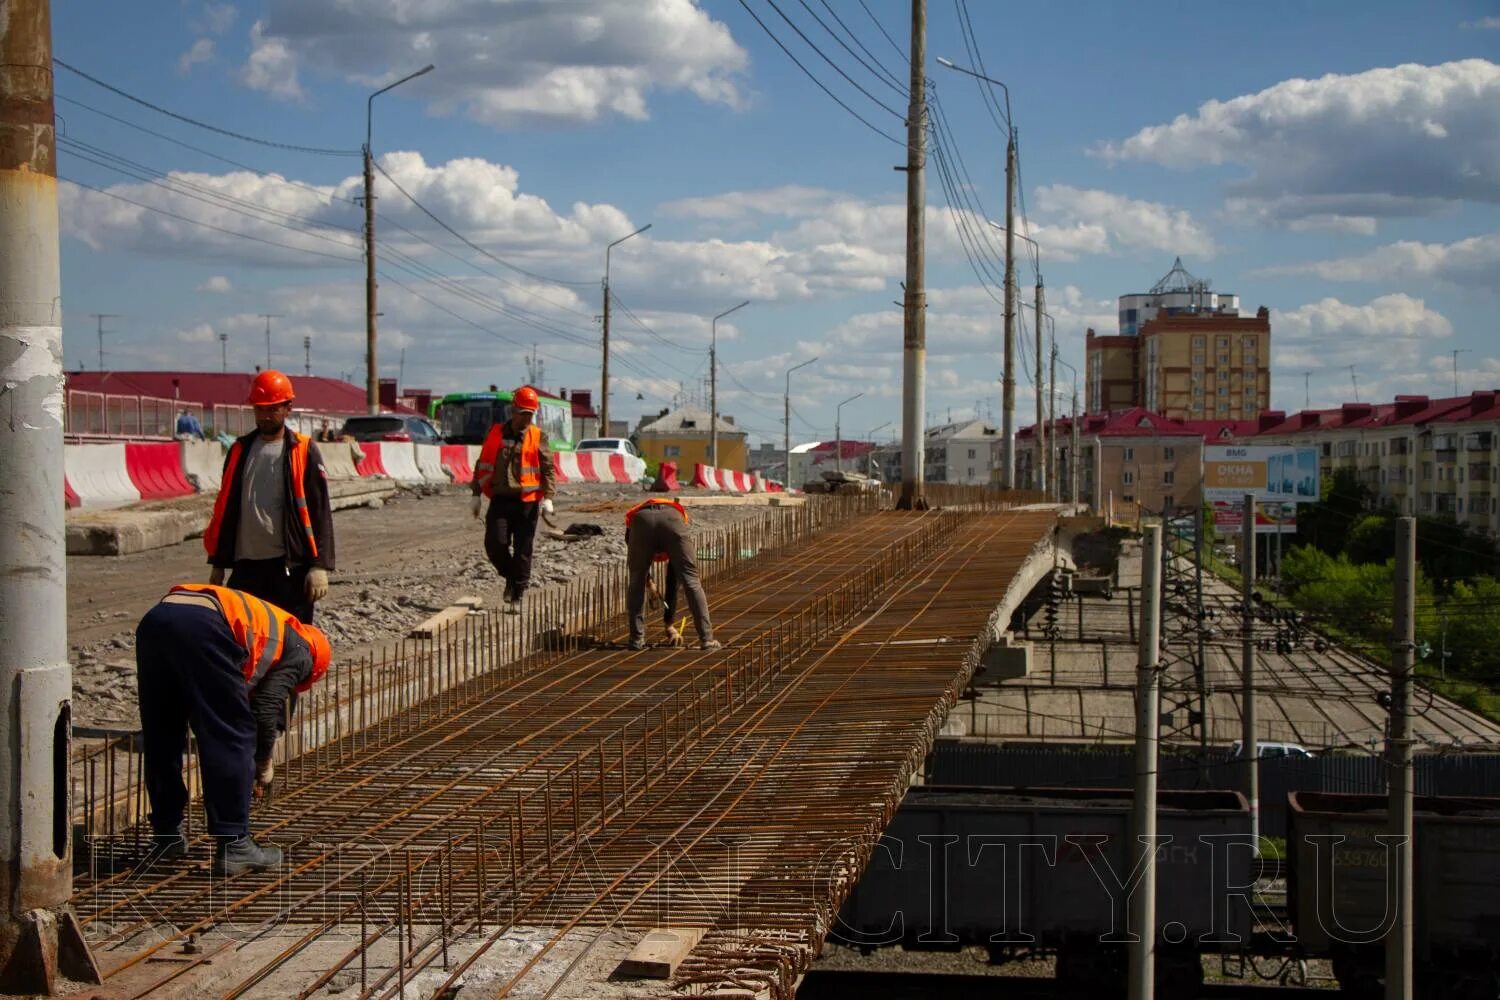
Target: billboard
<point x="1274" y="474"/>
<point x="1270" y="519"/>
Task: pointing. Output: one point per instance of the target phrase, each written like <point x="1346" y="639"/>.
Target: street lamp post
<point x="372" y="368"/>
<point x="713" y="384"/>
<point x="604" y="380"/>
<point x="1041" y="441"/>
<point x="787" y="419"/>
<point x="870" y="464"/>
<point x="838" y="430"/>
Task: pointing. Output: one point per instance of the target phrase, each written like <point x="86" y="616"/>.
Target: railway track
<point x="466" y="817"/>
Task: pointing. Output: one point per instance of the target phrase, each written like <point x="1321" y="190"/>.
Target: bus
<point x="465" y="417"/>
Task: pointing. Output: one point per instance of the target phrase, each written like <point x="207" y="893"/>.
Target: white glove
<point x="317" y="584"/>
<point x="264" y="774"/>
<point x="475" y="502"/>
<point x="547" y="506"/>
<point x="216" y="576"/>
<point x="674" y="637"/>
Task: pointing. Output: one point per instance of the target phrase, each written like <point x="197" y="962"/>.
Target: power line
<point x="315" y="150"/>
<point x="896" y="82"/>
<point x="877" y="73"/>
<point x="821" y="86"/>
<point x="899" y="51"/>
<point x="636" y="320"/>
<point x="971" y="45"/>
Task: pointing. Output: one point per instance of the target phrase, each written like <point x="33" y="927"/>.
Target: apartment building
<point x="682" y="436"/>
<point x="1133" y="456"/>
<point x="1183" y="351"/>
<point x="965" y="452"/>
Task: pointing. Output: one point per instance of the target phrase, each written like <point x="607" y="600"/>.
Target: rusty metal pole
<point x="914" y="336"/>
<point x="39" y="938"/>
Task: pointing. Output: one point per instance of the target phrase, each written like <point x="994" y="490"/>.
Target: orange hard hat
<point x="322" y="652"/>
<point x="526" y="398"/>
<point x="270" y="388"/>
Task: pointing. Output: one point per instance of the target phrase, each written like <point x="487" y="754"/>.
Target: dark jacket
<point x="315" y="484"/>
<point x="507" y="481"/>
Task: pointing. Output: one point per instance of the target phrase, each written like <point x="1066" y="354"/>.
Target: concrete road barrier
<point x="202" y="464"/>
<point x="429" y="459"/>
<point x="371" y="461"/>
<point x="155" y="467"/>
<point x="399" y="459"/>
<point x="97" y="474"/>
<point x="455" y="458"/>
<point x="340" y="459"/>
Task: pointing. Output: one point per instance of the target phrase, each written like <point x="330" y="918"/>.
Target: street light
<point x="1041" y="427"/>
<point x="980" y="76"/>
<point x="713" y="385"/>
<point x="787" y="418"/>
<point x="838" y="429"/>
<point x="604" y="381"/>
<point x="372" y="368"/>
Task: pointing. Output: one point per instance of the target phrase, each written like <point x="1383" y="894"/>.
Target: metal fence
<point x="117" y="415"/>
<point x="954" y="762"/>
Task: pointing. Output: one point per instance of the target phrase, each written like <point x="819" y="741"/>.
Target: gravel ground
<point x="397" y="565"/>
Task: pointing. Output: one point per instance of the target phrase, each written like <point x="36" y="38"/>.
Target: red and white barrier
<point x="97" y="475"/>
<point x="455" y="458"/>
<point x="202" y="464"/>
<point x="372" y="463"/>
<point x="429" y="459"/>
<point x="666" y="478"/>
<point x="708" y="477"/>
<point x="596" y="467"/>
<point x="339" y="459"/>
<point x="155" y="467"/>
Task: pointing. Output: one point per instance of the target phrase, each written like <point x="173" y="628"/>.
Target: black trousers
<point x="509" y="533"/>
<point x="189" y="674"/>
<point x="662" y="529"/>
<point x="273" y="580"/>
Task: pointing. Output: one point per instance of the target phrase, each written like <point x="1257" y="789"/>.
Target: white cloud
<point x="508" y="62"/>
<point x="218" y="284"/>
<point x="201" y="52"/>
<point x="272" y="67"/>
<point x="1385" y="142"/>
<point x="199" y="333"/>
<point x="1387" y="333"/>
<point x="1100" y="220"/>
<point x="215" y="18"/>
<point x="1473" y="262"/>
<point x="1482" y="24"/>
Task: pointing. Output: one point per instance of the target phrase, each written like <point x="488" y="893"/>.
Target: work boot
<point x="237" y="855"/>
<point x="710" y="644"/>
<point x="171" y="846"/>
<point x="636" y="645"/>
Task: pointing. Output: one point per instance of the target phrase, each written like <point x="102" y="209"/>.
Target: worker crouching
<point x="657" y="531"/>
<point x="227" y="665"/>
<point x="515" y="472"/>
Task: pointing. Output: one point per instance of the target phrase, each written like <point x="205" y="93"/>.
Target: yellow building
<point x="682" y="436"/>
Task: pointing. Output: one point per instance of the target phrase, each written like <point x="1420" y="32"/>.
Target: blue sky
<point x="1337" y="163"/>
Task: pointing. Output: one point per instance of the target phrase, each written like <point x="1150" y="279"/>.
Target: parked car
<point x="391" y="427"/>
<point x="1271" y="748"/>
<point x="614" y="446"/>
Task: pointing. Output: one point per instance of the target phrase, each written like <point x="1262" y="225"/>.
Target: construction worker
<point x="657" y="531"/>
<point x="515" y="472"/>
<point x="225" y="664"/>
<point x="272" y="523"/>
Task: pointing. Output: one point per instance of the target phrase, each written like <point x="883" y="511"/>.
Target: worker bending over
<point x="272" y="525"/>
<point x="657" y="531"/>
<point x="225" y="664"/>
<point x="515" y="472"/>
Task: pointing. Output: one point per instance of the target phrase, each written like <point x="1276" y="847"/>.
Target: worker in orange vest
<point x="515" y="473"/>
<point x="272" y="525"/>
<point x="227" y="665"/>
<point x="657" y="531"/>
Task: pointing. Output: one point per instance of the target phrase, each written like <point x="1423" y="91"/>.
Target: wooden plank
<point x="470" y="601"/>
<point x="438" y="622"/>
<point x="660" y="952"/>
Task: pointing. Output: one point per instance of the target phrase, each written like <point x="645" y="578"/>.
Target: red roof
<point x="315" y="394"/>
<point x="1135" y="422"/>
<point x="827" y="450"/>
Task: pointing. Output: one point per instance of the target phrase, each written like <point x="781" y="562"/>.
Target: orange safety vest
<point x="298" y="458"/>
<point x="259" y="626"/>
<point x="531" y="462"/>
<point x="655" y="502"/>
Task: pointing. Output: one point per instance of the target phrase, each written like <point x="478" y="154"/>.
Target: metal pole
<point x="307" y="356"/>
<point x="787" y="418"/>
<point x="372" y="368"/>
<point x="1249" y="749"/>
<point x="604" y="380"/>
<point x="914" y="302"/>
<point x="838" y="430"/>
<point x="36" y="680"/>
<point x="1398" y="944"/>
<point x="268" y="317"/>
<point x="224" y="353"/>
<point x="1073" y="468"/>
<point x="1041" y="391"/>
<point x="1008" y="385"/>
<point x="1143" y="807"/>
<point x="101" y="317"/>
<point x="713" y="384"/>
<point x="1202" y="664"/>
<point x="1052" y="425"/>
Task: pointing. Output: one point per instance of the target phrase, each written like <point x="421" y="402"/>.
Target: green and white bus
<point x="465" y="417"/>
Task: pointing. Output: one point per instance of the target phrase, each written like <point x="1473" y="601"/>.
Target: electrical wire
<point x="899" y="52"/>
<point x="878" y="73"/>
<point x="875" y="64"/>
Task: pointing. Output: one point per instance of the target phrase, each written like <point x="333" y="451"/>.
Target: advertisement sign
<point x="1270" y="519"/>
<point x="1272" y="473"/>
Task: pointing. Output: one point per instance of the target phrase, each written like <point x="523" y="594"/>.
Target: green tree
<point x="1326" y="524"/>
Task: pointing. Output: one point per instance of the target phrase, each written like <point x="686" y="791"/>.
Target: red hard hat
<point x="322" y="652"/>
<point x="526" y="398"/>
<point x="270" y="388"/>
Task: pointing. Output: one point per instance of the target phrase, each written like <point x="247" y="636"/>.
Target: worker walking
<point x="657" y="531"/>
<point x="225" y="664"/>
<point x="515" y="472"/>
<point x="272" y="523"/>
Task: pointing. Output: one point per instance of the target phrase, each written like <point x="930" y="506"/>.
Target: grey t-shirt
<point x="263" y="501"/>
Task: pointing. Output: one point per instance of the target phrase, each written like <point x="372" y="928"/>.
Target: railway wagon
<point x="1339" y="894"/>
<point x="1044" y="869"/>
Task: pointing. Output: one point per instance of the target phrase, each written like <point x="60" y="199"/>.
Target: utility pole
<point x="101" y="317"/>
<point x="787" y="419"/>
<point x="224" y="353"/>
<point x="1143" y="805"/>
<point x="1307" y="390"/>
<point x="1354" y="381"/>
<point x="604" y="367"/>
<point x="1041" y="393"/>
<point x="1052" y="426"/>
<point x="914" y="301"/>
<point x="1008" y="387"/>
<point x="1077" y="458"/>
<point x="1398" y="944"/>
<point x="1456" y="353"/>
<point x="838" y="431"/>
<point x="268" y="317"/>
<point x="713" y="384"/>
<point x="372" y="368"/>
<point x="40" y="938"/>
<point x="307" y="356"/>
<point x="1249" y="748"/>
